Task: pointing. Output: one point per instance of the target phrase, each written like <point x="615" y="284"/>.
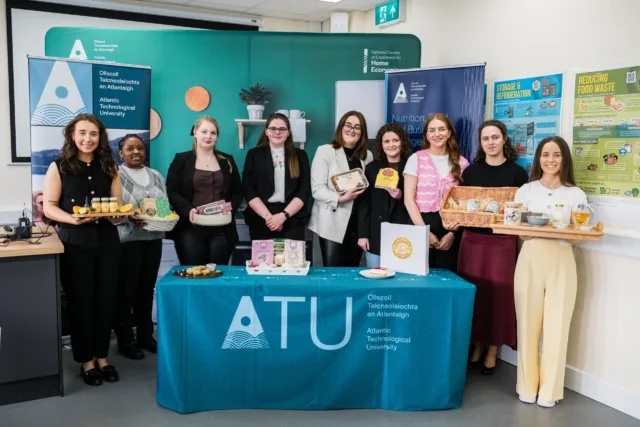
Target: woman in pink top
<point x="428" y="175"/>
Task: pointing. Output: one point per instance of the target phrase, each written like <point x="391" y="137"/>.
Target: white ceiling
<point x="301" y="10"/>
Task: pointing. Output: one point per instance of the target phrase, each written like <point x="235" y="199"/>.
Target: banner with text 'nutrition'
<point x="457" y="92"/>
<point x="531" y="109"/>
<point x="60" y="89"/>
<point x="606" y="132"/>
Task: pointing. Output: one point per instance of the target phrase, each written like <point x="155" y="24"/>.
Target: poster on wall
<point x="457" y="92"/>
<point x="59" y="90"/>
<point x="606" y="132"/>
<point x="531" y="109"/>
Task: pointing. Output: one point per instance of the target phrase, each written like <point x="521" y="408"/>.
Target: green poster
<point x="606" y="132"/>
<point x="301" y="69"/>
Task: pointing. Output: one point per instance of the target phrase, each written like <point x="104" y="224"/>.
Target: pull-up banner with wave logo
<point x="60" y="89"/>
<point x="457" y="92"/>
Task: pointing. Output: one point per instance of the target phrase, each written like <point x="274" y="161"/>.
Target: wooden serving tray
<point x="548" y="231"/>
<point x="102" y="215"/>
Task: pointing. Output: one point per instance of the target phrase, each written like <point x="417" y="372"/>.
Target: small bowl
<point x="560" y="225"/>
<point x="537" y="220"/>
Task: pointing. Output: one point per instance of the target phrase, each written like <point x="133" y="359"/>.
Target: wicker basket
<point x="158" y="224"/>
<point x="475" y="219"/>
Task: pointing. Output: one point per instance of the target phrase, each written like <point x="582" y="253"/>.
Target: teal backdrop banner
<point x="301" y="69"/>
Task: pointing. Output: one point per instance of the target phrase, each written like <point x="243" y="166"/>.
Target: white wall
<point x="528" y="37"/>
<point x="15" y="180"/>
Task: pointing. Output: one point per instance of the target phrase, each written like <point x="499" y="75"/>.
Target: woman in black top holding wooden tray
<point x="89" y="265"/>
<point x="277" y="184"/>
<point x="391" y="149"/>
<point x="488" y="260"/>
<point x="197" y="177"/>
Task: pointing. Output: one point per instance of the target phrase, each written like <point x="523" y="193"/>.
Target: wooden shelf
<point x="242" y="122"/>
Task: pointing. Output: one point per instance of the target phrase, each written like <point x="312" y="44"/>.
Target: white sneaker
<point x="525" y="400"/>
<point x="545" y="403"/>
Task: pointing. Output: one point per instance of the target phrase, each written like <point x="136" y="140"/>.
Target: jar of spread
<point x="113" y="204"/>
<point x="95" y="205"/>
<point x="104" y="205"/>
<point x="512" y="213"/>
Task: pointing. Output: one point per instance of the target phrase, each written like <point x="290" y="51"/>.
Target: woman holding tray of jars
<point x="546" y="279"/>
<point x="141" y="252"/>
<point x="428" y="175"/>
<point x="277" y="184"/>
<point x="334" y="217"/>
<point x="198" y="177"/>
<point x="489" y="260"/>
<point x="391" y="150"/>
<point x="89" y="264"/>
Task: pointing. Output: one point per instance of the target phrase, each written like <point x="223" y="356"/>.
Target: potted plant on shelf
<point x="255" y="98"/>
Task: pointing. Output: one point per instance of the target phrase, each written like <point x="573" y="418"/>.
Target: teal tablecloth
<point x="329" y="340"/>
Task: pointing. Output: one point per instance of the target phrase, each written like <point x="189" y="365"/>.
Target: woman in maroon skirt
<point x="487" y="260"/>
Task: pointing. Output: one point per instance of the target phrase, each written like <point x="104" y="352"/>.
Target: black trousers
<point x="199" y="245"/>
<point x="90" y="282"/>
<point x="441" y="259"/>
<point x="345" y="254"/>
<point x="138" y="274"/>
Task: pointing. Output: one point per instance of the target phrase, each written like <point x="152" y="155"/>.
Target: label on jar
<point x="512" y="216"/>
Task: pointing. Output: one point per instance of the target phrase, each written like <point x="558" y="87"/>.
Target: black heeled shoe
<point x="131" y="351"/>
<point x="109" y="374"/>
<point x="487" y="371"/>
<point x="475" y="364"/>
<point x="149" y="344"/>
<point x="91" y="377"/>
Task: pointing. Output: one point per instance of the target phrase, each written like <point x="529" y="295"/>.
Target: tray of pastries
<point x="198" y="272"/>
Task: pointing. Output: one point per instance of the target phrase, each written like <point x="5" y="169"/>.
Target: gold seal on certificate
<point x="404" y="248"/>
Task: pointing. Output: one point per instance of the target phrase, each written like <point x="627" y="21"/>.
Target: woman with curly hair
<point x="428" y="175"/>
<point x="391" y="150"/>
<point x="91" y="258"/>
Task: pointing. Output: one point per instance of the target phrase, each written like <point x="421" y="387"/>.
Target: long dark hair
<point x="451" y="146"/>
<point x="566" y="168"/>
<point x="405" y="151"/>
<point x="195" y="128"/>
<point x="69" y="162"/>
<point x="509" y="152"/>
<point x="361" y="146"/>
<point x="289" y="149"/>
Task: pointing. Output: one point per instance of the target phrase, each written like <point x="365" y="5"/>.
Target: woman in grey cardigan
<point x="141" y="253"/>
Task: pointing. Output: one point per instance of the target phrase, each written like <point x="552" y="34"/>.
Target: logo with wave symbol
<point x="245" y="331"/>
<point x="365" y="62"/>
<point x="60" y="100"/>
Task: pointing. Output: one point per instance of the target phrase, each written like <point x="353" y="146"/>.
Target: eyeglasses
<point x="277" y="130"/>
<point x="349" y="127"/>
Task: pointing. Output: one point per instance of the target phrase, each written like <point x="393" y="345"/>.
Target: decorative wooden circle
<point x="197" y="98"/>
<point x="155" y="125"/>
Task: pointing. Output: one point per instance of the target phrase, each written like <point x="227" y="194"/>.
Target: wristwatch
<point x="286" y="214"/>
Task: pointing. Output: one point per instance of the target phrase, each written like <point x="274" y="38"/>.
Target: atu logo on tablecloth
<point x="246" y="332"/>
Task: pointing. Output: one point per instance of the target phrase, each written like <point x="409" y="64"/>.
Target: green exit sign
<point x="389" y="13"/>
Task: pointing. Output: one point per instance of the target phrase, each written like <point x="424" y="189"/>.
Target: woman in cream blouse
<point x="546" y="279"/>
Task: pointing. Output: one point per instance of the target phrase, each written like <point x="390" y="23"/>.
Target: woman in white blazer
<point x="334" y="217"/>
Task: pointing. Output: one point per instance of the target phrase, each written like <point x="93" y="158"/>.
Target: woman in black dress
<point x="89" y="264"/>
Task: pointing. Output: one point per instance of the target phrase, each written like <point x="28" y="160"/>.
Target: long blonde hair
<point x="214" y="122"/>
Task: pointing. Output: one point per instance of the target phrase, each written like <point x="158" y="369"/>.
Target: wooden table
<point x="30" y="321"/>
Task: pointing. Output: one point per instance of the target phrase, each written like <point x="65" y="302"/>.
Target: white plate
<point x="369" y="275"/>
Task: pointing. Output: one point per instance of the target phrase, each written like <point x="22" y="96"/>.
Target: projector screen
<point x="27" y="26"/>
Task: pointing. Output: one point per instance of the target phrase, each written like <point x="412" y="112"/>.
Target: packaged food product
<point x="492" y="206"/>
<point x="473" y="205"/>
<point x="349" y="181"/>
<point x="95" y="205"/>
<point x="149" y="206"/>
<point x="104" y="205"/>
<point x="512" y="213"/>
<point x="262" y="252"/>
<point x="294" y="253"/>
<point x="387" y="178"/>
<point x="113" y="204"/>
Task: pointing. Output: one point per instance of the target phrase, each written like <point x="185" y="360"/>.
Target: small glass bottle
<point x="104" y="205"/>
<point x="95" y="205"/>
<point x="113" y="204"/>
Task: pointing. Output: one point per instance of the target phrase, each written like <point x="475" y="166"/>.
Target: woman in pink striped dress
<point x="428" y="174"/>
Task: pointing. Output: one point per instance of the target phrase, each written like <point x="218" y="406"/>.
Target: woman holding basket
<point x="489" y="260"/>
<point x="141" y="252"/>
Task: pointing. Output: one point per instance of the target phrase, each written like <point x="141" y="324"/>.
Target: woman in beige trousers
<point x="545" y="279"/>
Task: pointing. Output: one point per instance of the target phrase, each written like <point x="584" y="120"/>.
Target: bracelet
<point x="286" y="214"/>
